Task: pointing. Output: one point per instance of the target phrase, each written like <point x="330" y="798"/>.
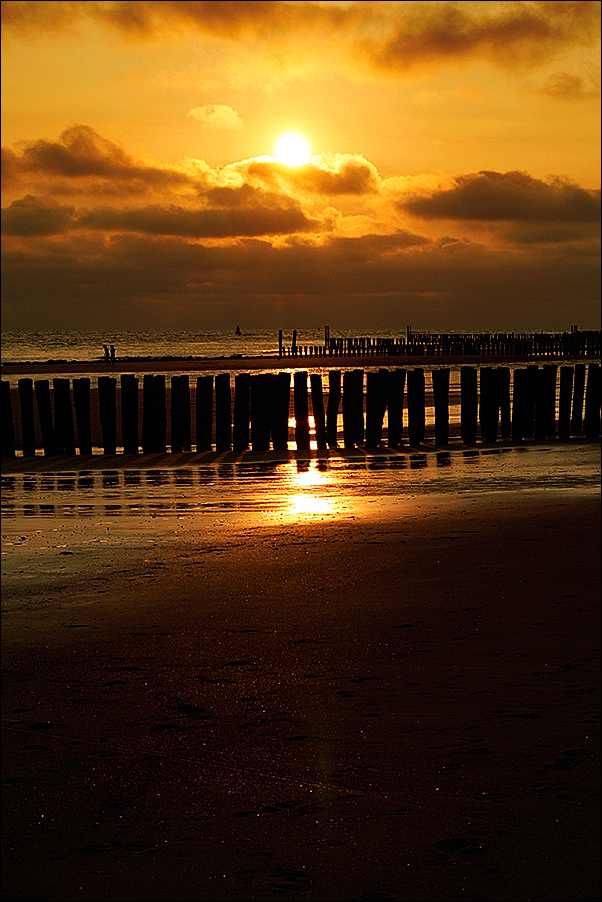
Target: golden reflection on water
<point x="314" y="480"/>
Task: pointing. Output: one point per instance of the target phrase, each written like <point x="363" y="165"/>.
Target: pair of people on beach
<point x="109" y="354"/>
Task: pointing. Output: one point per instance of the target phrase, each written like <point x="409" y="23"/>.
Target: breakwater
<point x="576" y="343"/>
<point x="265" y="411"/>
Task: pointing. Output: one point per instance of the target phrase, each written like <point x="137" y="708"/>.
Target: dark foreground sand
<point x="377" y="709"/>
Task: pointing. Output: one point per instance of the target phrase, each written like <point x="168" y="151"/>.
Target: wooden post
<point x="591" y="422"/>
<point x="332" y="407"/>
<point x="358" y="406"/>
<point x="347" y="409"/>
<point x="280" y="394"/>
<point x="242" y="389"/>
<point x="81" y="400"/>
<point x="42" y="390"/>
<point x="148" y="413"/>
<point x="301" y="404"/>
<point x="519" y="405"/>
<point x="530" y="399"/>
<point x="7" y="426"/>
<point x="129" y="412"/>
<point x="488" y="404"/>
<point x="397" y="381"/>
<point x="223" y="413"/>
<point x="441" y="402"/>
<point x="551" y="371"/>
<point x="578" y="395"/>
<point x="107" y="408"/>
<point x="180" y="414"/>
<point x="64" y="432"/>
<point x="204" y="413"/>
<point x="260" y="413"/>
<point x="376" y="405"/>
<point x="28" y="433"/>
<point x="416" y="407"/>
<point x="317" y="405"/>
<point x="469" y="402"/>
<point x="161" y="413"/>
<point x="564" y="403"/>
<point x="503" y="391"/>
<point x="154" y="414"/>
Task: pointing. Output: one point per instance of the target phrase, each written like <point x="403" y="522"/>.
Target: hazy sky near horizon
<point x="451" y="181"/>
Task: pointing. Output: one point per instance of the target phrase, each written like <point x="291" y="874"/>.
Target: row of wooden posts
<point x="257" y="417"/>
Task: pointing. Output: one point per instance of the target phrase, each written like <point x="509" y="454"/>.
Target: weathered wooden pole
<point x="147" y="413"/>
<point x="317" y="405"/>
<point x="519" y="405"/>
<point x="223" y="413"/>
<point x="332" y="407"/>
<point x="204" y="413"/>
<point x="242" y="398"/>
<point x="397" y="381"/>
<point x="578" y="395"/>
<point x="64" y="432"/>
<point x="441" y="402"/>
<point x="373" y="427"/>
<point x="129" y="412"/>
<point x="260" y="413"/>
<point x="488" y="404"/>
<point x="301" y="406"/>
<point x="81" y="401"/>
<point x="180" y="414"/>
<point x="154" y="414"/>
<point x="469" y="404"/>
<point x="357" y="383"/>
<point x="503" y="392"/>
<point x="7" y="426"/>
<point x="532" y="381"/>
<point x="28" y="432"/>
<point x="591" y="420"/>
<point x="550" y="371"/>
<point x="564" y="403"/>
<point x="416" y="407"/>
<point x="42" y="390"/>
<point x="107" y="408"/>
<point x="280" y="394"/>
<point x="348" y="441"/>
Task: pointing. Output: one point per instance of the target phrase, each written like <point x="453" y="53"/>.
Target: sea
<point x="68" y="346"/>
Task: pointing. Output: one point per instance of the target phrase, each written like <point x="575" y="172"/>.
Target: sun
<point x="292" y="149"/>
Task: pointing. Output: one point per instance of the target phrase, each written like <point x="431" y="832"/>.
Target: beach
<point x="396" y="697"/>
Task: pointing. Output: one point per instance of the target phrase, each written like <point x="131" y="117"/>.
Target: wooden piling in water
<point x="204" y="413"/>
<point x="469" y="403"/>
<point x="440" y="379"/>
<point x="301" y="407"/>
<point x="28" y="432"/>
<point x="7" y="425"/>
<point x="503" y="391"/>
<point x="564" y="403"/>
<point x="242" y="401"/>
<point x="578" y="395"/>
<point x="81" y="401"/>
<point x="374" y="411"/>
<point x="180" y="418"/>
<point x="357" y="408"/>
<point x="488" y="404"/>
<point x="591" y="419"/>
<point x="530" y="396"/>
<point x="332" y="407"/>
<point x="44" y="404"/>
<point x="317" y="406"/>
<point x="154" y="414"/>
<point x="129" y="413"/>
<point x="519" y="391"/>
<point x="107" y="409"/>
<point x="397" y="381"/>
<point x="416" y="407"/>
<point x="64" y="432"/>
<point x="223" y="413"/>
<point x="260" y="413"/>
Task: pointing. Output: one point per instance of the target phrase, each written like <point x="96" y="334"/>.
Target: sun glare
<point x="292" y="149"/>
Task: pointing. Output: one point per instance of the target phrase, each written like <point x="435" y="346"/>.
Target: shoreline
<point x="240" y="362"/>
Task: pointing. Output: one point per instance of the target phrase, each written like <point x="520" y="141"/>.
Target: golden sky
<point x="452" y="179"/>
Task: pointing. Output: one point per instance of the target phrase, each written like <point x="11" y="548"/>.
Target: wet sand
<point x="398" y="705"/>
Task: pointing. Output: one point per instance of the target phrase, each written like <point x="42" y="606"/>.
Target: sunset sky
<point x="452" y="182"/>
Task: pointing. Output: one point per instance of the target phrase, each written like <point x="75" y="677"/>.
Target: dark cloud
<point x="81" y="153"/>
<point x="391" y="37"/>
<point x="31" y="216"/>
<point x="506" y="34"/>
<point x="348" y="175"/>
<point x="508" y="196"/>
<point x="564" y="86"/>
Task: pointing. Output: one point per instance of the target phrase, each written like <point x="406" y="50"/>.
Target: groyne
<point x="265" y="411"/>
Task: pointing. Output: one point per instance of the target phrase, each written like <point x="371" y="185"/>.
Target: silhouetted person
<point x="113" y="354"/>
<point x="107" y="355"/>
